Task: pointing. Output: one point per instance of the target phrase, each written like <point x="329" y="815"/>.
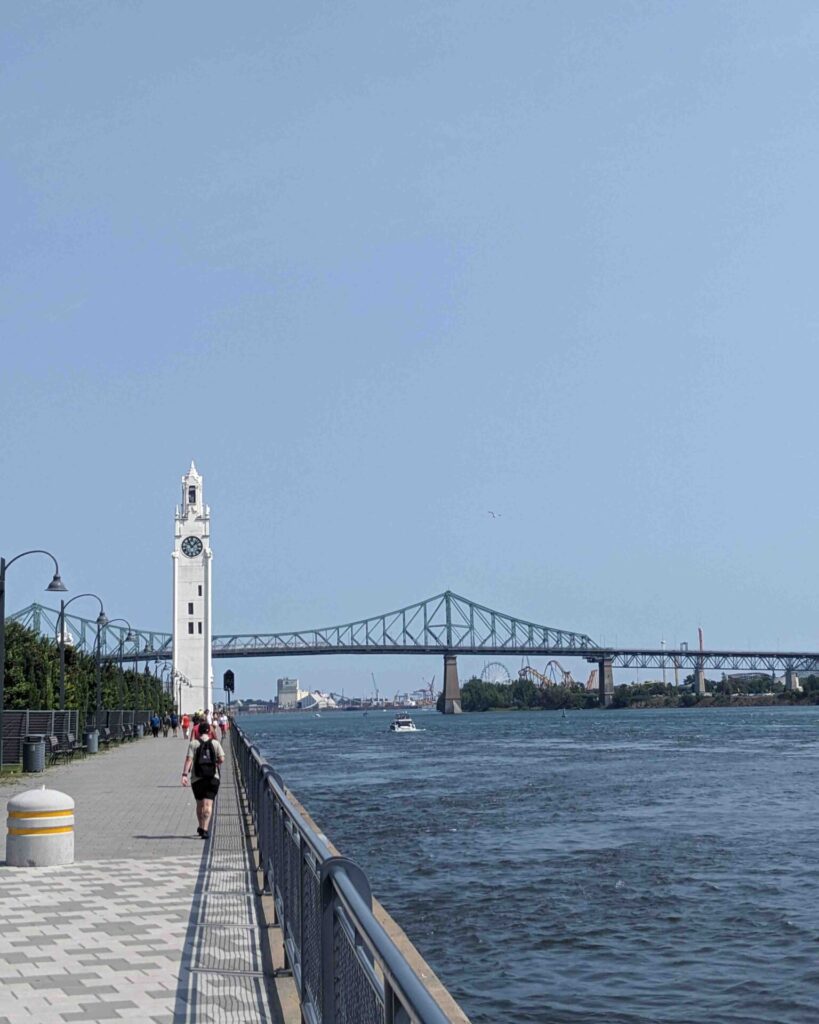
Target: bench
<point x="73" y="744"/>
<point x="127" y="733"/>
<point x="57" y="751"/>
<point x="105" y="737"/>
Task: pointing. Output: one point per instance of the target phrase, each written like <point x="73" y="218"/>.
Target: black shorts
<point x="205" y="789"/>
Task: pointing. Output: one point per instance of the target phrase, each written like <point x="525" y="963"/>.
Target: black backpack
<point x="205" y="760"/>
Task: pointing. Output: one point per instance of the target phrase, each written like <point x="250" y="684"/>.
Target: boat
<point x="402" y="723"/>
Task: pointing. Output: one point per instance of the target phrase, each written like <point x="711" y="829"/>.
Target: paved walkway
<point x="150" y="923"/>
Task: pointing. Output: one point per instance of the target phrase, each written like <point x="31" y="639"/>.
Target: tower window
<point x="191" y="495"/>
<point x="190" y="607"/>
<point x="200" y="589"/>
<point x="190" y="627"/>
<point x="200" y="627"/>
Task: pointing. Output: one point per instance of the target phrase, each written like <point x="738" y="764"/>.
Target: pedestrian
<point x="201" y="767"/>
<point x="186" y="724"/>
<point x="175" y="723"/>
<point x="155" y="724"/>
<point x="166" y="724"/>
<point x="223" y="723"/>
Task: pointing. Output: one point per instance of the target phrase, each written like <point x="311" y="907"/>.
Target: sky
<point x="381" y="268"/>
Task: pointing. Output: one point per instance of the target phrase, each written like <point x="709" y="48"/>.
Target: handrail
<point x="345" y="965"/>
<point x="414" y="995"/>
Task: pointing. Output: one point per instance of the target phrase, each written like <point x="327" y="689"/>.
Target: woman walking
<point x="202" y="768"/>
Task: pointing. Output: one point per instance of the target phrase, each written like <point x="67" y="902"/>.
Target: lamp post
<point x="182" y="679"/>
<point x="61" y="638"/>
<point x="165" y="677"/>
<point x="123" y="640"/>
<point x="56" y="584"/>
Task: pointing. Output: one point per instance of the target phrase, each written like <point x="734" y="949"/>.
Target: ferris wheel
<point x="494" y="672"/>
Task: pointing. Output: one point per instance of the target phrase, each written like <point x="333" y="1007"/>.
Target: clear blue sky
<point x="380" y="268"/>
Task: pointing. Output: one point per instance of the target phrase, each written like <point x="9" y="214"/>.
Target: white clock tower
<point x="193" y="673"/>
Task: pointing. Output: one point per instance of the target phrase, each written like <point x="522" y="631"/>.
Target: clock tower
<point x="193" y="674"/>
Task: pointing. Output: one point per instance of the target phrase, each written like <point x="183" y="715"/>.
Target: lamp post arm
<point x="34" y="551"/>
<point x="61" y="635"/>
<point x="95" y="596"/>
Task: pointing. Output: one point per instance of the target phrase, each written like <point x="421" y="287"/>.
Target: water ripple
<point x="618" y="867"/>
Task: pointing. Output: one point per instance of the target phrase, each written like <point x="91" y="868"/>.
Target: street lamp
<point x="182" y="679"/>
<point x="126" y="639"/>
<point x="164" y="677"/>
<point x="56" y="584"/>
<point x="61" y="638"/>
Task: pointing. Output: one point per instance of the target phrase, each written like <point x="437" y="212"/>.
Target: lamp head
<point x="57" y="584"/>
<point x="102" y="619"/>
<point x="130" y="637"/>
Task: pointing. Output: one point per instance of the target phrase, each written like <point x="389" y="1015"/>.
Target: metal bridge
<point x="446" y="624"/>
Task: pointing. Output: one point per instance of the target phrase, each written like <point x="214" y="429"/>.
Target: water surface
<point x="612" y="866"/>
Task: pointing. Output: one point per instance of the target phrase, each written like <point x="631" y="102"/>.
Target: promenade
<point x="150" y="923"/>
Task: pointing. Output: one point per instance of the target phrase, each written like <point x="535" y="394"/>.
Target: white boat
<point x="402" y="723"/>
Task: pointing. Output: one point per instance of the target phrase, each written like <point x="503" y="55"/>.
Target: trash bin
<point x="34" y="753"/>
<point x="91" y="739"/>
<point x="140" y="729"/>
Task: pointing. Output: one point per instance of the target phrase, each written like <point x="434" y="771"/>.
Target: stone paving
<point x="150" y="923"/>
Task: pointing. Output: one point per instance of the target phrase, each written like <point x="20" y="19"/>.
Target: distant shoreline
<point x="736" y="701"/>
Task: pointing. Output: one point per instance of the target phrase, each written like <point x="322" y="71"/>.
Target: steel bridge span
<point x="446" y="625"/>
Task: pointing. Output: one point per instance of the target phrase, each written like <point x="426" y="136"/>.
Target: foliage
<point x="32" y="678"/>
<point x="521" y="694"/>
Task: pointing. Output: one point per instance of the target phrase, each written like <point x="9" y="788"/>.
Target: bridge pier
<point x="699" y="681"/>
<point x="452" y="689"/>
<point x="605" y="682"/>
<point x="792" y="680"/>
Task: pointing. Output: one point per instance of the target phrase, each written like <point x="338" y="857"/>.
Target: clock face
<point x="191" y="546"/>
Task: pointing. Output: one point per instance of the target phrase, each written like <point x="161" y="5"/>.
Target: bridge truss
<point x="81" y="635"/>
<point x="444" y="623"/>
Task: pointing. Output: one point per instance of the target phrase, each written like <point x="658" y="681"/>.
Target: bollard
<point x="40" y="829"/>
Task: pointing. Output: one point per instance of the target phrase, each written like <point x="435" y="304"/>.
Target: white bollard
<point x="40" y="829"/>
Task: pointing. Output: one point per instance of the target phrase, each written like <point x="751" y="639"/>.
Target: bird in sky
<point x="495" y="515"/>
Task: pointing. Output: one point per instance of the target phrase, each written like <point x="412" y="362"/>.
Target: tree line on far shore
<point x="32" y="678"/>
<point x="524" y="695"/>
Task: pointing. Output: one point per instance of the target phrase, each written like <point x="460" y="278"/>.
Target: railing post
<point x="328" y="922"/>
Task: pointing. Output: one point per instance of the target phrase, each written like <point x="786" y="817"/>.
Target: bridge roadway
<point x="150" y="924"/>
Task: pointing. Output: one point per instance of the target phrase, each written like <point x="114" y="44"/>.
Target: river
<point x="624" y="867"/>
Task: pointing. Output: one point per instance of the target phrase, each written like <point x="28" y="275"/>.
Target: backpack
<point x="205" y="760"/>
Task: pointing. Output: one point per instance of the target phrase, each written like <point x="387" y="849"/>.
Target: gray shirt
<point x="193" y="746"/>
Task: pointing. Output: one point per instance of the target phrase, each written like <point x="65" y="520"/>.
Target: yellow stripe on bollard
<point x="40" y="814"/>
<point x="39" y="831"/>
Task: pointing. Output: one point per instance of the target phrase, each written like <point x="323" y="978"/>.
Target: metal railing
<point x="345" y="966"/>
<point x="116" y="720"/>
<point x="17" y="724"/>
